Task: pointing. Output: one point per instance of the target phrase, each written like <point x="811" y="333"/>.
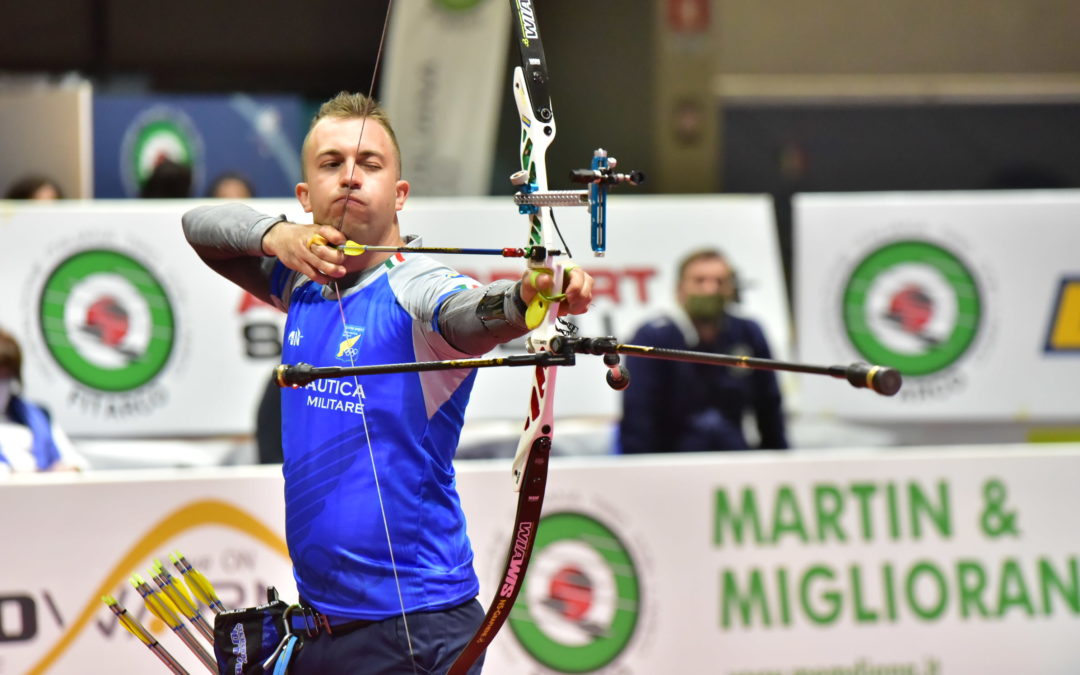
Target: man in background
<point x="684" y="407"/>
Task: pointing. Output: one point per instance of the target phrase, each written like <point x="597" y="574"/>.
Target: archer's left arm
<point x="477" y="320"/>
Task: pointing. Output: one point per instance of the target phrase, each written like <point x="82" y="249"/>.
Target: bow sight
<point x="599" y="177"/>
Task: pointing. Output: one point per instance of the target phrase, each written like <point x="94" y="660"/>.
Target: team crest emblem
<point x="350" y="343"/>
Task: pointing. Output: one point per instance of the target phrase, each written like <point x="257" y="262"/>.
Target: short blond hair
<point x="347" y="105"/>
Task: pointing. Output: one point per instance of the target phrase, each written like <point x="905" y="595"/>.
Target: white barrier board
<point x="975" y="297"/>
<point x="943" y="562"/>
<point x="127" y="333"/>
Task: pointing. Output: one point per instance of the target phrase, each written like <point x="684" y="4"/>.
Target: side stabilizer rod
<point x="880" y="379"/>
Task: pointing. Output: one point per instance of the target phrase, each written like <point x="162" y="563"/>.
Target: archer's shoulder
<point x="420" y="283"/>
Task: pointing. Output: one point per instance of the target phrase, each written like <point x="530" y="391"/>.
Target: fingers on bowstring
<point x="332" y="235"/>
<point x="323" y="259"/>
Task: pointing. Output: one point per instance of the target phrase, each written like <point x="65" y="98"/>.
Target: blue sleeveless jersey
<point x="411" y="422"/>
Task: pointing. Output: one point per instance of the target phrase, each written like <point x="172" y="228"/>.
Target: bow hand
<point x="577" y="289"/>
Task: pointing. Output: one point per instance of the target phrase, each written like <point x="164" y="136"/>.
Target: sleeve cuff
<point x="255" y="233"/>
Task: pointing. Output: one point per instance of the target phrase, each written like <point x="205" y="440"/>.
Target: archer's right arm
<point x="241" y="244"/>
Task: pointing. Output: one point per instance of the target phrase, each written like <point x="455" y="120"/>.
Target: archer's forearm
<point x="477" y="320"/>
<point x="228" y="238"/>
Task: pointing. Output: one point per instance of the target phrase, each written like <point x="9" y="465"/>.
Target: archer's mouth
<point x="349" y="200"/>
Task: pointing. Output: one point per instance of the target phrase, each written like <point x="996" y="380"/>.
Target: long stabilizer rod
<point x="561" y="349"/>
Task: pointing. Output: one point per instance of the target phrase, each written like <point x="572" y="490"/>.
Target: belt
<point x="311" y="622"/>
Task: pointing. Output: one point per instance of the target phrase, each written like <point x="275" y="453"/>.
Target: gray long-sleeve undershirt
<point x="229" y="238"/>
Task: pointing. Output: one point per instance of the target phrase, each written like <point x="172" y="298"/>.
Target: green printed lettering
<point x="863" y="492"/>
<point x="1013" y="591"/>
<point x="928" y="570"/>
<point x="725" y="518"/>
<point x="785" y="598"/>
<point x="832" y="598"/>
<point x="828" y="506"/>
<point x="920" y="504"/>
<point x="892" y="504"/>
<point x="746" y="604"/>
<point x="1048" y="578"/>
<point x="862" y="615"/>
<point x="971" y="582"/>
<point x="890" y="591"/>
<point x="787" y="518"/>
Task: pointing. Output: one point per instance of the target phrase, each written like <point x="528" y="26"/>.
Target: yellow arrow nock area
<point x="348" y="248"/>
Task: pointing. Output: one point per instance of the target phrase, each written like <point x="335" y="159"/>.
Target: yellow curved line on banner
<point x="208" y="512"/>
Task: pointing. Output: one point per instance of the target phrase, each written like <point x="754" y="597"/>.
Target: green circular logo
<point x="158" y="140"/>
<point x="107" y="321"/>
<point x="581" y="599"/>
<point x="157" y="134"/>
<point x="912" y="305"/>
<point x="460" y="5"/>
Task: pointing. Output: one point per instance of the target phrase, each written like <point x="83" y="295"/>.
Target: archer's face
<point x="361" y="184"/>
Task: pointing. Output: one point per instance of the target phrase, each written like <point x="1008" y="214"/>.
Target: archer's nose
<point x="350" y="177"/>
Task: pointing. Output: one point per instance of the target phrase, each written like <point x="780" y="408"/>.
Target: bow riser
<point x="536" y="136"/>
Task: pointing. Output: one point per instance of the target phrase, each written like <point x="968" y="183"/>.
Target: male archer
<point x="394" y="584"/>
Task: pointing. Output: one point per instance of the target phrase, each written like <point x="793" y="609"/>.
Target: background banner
<point x="929" y="562"/>
<point x="257" y="136"/>
<point x="445" y="62"/>
<point x="975" y="297"/>
<point x="127" y="333"/>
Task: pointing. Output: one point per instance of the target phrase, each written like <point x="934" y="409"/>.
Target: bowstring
<point x="351" y="352"/>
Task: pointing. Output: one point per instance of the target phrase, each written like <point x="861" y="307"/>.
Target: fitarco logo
<point x="913" y="305"/>
<point x="106" y="320"/>
<point x="159" y="133"/>
<point x="582" y="595"/>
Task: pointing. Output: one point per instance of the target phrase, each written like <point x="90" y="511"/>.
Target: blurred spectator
<point x="34" y="187"/>
<point x="29" y="439"/>
<point x="672" y="406"/>
<point x="231" y="185"/>
<point x="268" y="425"/>
<point x="169" y="180"/>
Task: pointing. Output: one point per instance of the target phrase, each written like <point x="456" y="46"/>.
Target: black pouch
<point x="245" y="638"/>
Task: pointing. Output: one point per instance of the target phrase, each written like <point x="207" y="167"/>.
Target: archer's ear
<point x="303" y="196"/>
<point x="402" y="193"/>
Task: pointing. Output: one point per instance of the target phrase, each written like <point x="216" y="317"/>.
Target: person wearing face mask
<point x="29" y="439"/>
<point x="672" y="406"/>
